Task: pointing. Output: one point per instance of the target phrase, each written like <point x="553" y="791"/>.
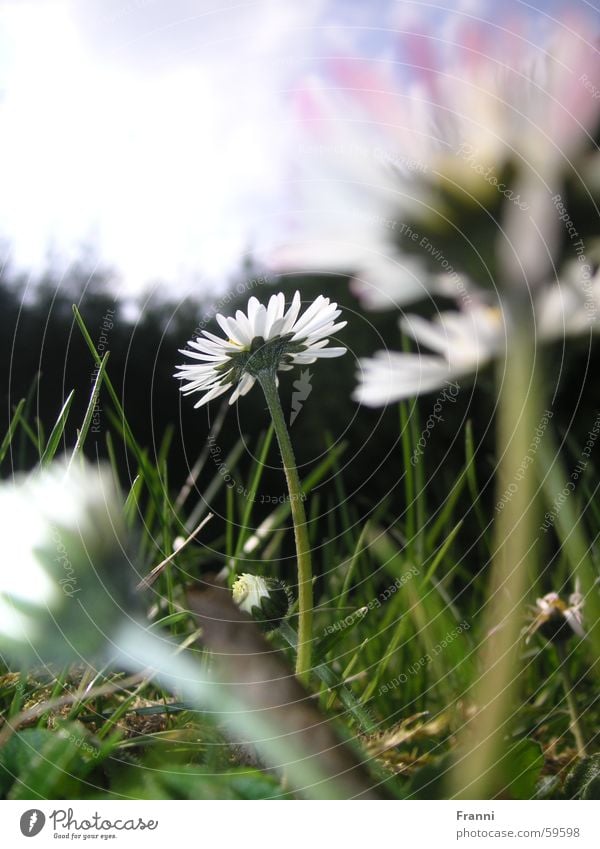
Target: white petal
<point x="427" y="333"/>
<point x="214" y="393"/>
<point x="314" y="309"/>
<point x="236" y="332"/>
<point x="327" y="352"/>
<point x="222" y="343"/>
<point x="207" y="358"/>
<point x="248" y="385"/>
<point x="328" y="330"/>
<point x="391" y="376"/>
<point x="388" y="282"/>
<point x="245" y="385"/>
<point x="223" y="324"/>
<point x="259" y="322"/>
<point x="274" y="313"/>
<point x="253" y="306"/>
<point x="304" y="359"/>
<point x="292" y="313"/>
<point x="209" y="347"/>
<point x="322" y="316"/>
<point x="244" y="326"/>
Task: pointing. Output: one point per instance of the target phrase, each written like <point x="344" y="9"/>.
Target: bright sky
<point x="165" y="160"/>
<point x="157" y="131"/>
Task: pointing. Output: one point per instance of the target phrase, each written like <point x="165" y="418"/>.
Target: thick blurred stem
<point x="478" y="774"/>
<point x="576" y="728"/>
<point x="303" y="554"/>
<point x="255" y="700"/>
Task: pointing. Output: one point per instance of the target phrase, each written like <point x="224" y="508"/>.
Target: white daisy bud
<point x="266" y="599"/>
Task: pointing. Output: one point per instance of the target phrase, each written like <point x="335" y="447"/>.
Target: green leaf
<point x="11" y="429"/>
<point x="430" y="781"/>
<point x="345" y="625"/>
<point x="89" y="413"/>
<point x="189" y="782"/>
<point x="521" y="767"/>
<point x="38" y="763"/>
<point x="57" y="431"/>
<point x="583" y="782"/>
<point x="361" y="716"/>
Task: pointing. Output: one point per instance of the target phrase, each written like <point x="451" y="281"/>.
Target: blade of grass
<point x="408" y="474"/>
<point x="12" y="427"/>
<point x="87" y="419"/>
<point x="358" y="551"/>
<point x="447" y="510"/>
<point x="131" y="506"/>
<point x="441" y="553"/>
<point x="569" y="527"/>
<point x="25" y="430"/>
<point x="215" y="485"/>
<point x="274" y="519"/>
<point x="357" y="711"/>
<point x="149" y="473"/>
<point x="57" y="431"/>
<point x="259" y="467"/>
<point x="474" y="492"/>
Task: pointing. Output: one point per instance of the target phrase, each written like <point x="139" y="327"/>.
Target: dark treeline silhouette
<point x="44" y="357"/>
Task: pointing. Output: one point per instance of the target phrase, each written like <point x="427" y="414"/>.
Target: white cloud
<point x="168" y="171"/>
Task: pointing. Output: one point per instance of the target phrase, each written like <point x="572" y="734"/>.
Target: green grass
<point x="397" y="625"/>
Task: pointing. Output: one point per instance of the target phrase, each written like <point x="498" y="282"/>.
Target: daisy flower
<point x="555" y="619"/>
<point x="264" y="598"/>
<point x="393" y="162"/>
<point x="66" y="578"/>
<point x="261" y="339"/>
<point x="258" y="344"/>
<point x="463" y="341"/>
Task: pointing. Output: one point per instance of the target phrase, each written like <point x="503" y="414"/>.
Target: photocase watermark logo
<point x="32" y="822"/>
<point x="302" y="389"/>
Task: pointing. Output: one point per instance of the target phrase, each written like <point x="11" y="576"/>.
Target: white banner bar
<point x="292" y="826"/>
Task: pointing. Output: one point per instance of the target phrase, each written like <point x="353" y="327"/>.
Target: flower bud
<point x="265" y="599"/>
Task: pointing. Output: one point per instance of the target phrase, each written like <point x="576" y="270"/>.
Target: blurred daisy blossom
<point x="65" y="579"/>
<point x="463" y="341"/>
<point x="556" y="619"/>
<point x="386" y="149"/>
<point x="466" y="340"/>
<point x="570" y="306"/>
<point x="262" y="338"/>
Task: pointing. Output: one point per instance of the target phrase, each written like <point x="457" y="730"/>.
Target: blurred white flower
<point x="571" y="305"/>
<point x="65" y="577"/>
<point x="464" y="341"/>
<point x="178" y="542"/>
<point x="556" y="619"/>
<point x="384" y="151"/>
<point x="262" y="338"/>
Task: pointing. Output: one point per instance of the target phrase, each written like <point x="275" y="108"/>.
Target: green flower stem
<point x="478" y="774"/>
<point x="305" y="590"/>
<point x="576" y="728"/>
